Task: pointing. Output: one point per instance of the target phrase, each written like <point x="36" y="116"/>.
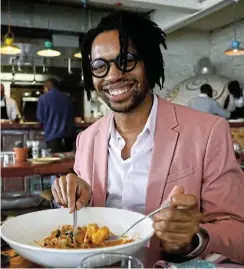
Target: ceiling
<point x="136" y="5"/>
<point x="220" y="18"/>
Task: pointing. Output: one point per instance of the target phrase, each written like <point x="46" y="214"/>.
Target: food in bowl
<point x="88" y="236"/>
<point x="22" y="231"/>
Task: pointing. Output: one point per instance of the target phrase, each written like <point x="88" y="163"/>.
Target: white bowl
<point x="20" y="233"/>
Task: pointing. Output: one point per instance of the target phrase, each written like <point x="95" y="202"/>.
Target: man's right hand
<point x="70" y="190"/>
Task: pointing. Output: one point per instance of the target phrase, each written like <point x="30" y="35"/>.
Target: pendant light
<point x="48" y="50"/>
<point x="77" y="54"/>
<point x="8" y="47"/>
<point x="236" y="49"/>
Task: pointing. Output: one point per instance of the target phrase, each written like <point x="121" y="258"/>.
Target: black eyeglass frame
<point x="117" y="63"/>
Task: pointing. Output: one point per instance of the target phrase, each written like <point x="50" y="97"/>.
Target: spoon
<point x="116" y="237"/>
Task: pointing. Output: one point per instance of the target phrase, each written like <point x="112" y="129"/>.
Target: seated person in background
<point x="205" y="102"/>
<point x="9" y="108"/>
<point x="235" y="100"/>
<point x="148" y="150"/>
<point x="55" y="112"/>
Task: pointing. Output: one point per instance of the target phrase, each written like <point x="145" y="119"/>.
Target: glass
<point x="111" y="260"/>
<point x="100" y="67"/>
<point x="7" y="159"/>
<point x="46" y="153"/>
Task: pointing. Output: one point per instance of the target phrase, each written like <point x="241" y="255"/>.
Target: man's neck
<point x="132" y="123"/>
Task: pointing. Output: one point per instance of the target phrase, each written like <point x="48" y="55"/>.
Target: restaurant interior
<point x="205" y="40"/>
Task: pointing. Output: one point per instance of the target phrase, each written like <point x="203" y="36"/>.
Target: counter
<point x="12" y="132"/>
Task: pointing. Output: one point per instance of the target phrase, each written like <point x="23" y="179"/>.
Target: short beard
<point x="137" y="100"/>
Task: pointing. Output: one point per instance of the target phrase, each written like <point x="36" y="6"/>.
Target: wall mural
<point x="190" y="88"/>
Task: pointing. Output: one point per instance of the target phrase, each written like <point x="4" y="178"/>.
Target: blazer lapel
<point x="164" y="145"/>
<point x="100" y="164"/>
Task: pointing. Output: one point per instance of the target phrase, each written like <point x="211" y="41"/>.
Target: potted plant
<point x="21" y="152"/>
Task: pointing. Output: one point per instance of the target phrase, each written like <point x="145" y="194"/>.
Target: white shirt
<point x="12" y="108"/>
<point x="127" y="179"/>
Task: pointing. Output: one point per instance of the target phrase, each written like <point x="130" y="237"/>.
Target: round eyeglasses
<point x="100" y="67"/>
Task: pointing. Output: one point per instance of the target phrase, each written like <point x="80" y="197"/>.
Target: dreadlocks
<point x="145" y="36"/>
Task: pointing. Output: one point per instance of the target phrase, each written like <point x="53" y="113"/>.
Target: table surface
<point x="147" y="255"/>
<point x="20" y="169"/>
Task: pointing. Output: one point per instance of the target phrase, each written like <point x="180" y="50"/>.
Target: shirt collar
<point x="149" y="126"/>
<point x="203" y="95"/>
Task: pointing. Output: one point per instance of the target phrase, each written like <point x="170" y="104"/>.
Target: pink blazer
<point x="192" y="149"/>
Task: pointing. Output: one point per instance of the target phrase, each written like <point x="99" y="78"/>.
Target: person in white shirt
<point x="235" y="100"/>
<point x="205" y="103"/>
<point x="9" y="108"/>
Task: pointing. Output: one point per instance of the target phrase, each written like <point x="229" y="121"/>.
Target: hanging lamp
<point x="77" y="54"/>
<point x="235" y="49"/>
<point x="48" y="50"/>
<point x="8" y="47"/>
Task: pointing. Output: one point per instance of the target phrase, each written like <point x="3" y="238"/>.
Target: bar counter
<point x="12" y="132"/>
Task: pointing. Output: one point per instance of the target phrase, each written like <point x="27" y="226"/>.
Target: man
<point x="149" y="151"/>
<point x="205" y="102"/>
<point x="9" y="108"/>
<point x="55" y="112"/>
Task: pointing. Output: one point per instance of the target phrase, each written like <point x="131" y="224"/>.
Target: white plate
<point x="236" y="120"/>
<point x="44" y="160"/>
<point x="20" y="233"/>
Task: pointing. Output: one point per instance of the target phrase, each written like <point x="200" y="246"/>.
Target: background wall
<point x="186" y="47"/>
<point x="220" y="40"/>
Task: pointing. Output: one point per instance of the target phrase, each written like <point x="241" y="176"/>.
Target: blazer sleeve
<point x="222" y="195"/>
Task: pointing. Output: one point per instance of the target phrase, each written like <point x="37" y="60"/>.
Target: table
<point x="21" y="169"/>
<point x="149" y="256"/>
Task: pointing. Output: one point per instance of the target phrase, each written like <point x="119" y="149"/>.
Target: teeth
<point x="117" y="92"/>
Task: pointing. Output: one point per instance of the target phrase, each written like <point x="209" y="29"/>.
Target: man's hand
<point x="70" y="190"/>
<point x="177" y="225"/>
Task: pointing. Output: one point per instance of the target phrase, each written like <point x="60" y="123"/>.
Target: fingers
<point x="175" y="191"/>
<point x="71" y="183"/>
<point x="176" y="227"/>
<point x="57" y="193"/>
<point x="186" y="201"/>
<point x="173" y="238"/>
<point x="63" y="187"/>
<point x="83" y="196"/>
<point x="177" y="215"/>
<point x="71" y="191"/>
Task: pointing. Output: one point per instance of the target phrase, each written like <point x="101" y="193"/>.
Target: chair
<point x="46" y="196"/>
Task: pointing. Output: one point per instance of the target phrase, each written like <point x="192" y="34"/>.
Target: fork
<point x="74" y="223"/>
<point x="116" y="237"/>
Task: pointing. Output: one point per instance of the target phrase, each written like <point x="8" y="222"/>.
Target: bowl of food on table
<point x="47" y="237"/>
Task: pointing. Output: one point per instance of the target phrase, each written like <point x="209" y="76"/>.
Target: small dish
<point x="45" y="160"/>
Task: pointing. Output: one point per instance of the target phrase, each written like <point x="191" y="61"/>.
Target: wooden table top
<point x="148" y="256"/>
<point x="20" y="169"/>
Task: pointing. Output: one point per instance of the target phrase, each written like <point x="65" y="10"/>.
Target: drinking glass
<point x="108" y="260"/>
<point x="46" y="153"/>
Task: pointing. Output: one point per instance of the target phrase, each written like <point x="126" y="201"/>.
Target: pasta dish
<point x="90" y="236"/>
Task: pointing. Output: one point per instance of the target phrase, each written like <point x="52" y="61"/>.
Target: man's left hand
<point x="177" y="225"/>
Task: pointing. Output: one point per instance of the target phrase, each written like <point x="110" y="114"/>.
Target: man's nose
<point x="114" y="73"/>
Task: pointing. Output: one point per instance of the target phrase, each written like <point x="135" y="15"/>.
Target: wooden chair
<point x="46" y="196"/>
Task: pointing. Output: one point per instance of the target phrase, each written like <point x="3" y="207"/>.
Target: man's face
<point x="121" y="92"/>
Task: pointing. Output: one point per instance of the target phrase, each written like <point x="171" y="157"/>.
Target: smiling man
<point x="148" y="151"/>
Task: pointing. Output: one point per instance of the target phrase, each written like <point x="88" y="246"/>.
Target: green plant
<point x="19" y="144"/>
